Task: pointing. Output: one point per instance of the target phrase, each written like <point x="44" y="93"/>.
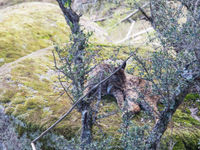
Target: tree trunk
<point x="87" y="122"/>
<point x="79" y="40"/>
<point x="160" y="127"/>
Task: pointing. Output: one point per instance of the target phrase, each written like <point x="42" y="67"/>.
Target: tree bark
<point x="165" y="117"/>
<point x="70" y="16"/>
<point x="87" y="123"/>
<point x="160" y="24"/>
<point x="79" y="40"/>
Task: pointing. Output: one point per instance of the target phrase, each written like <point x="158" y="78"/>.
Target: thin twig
<point x="66" y="90"/>
<point x="150" y="108"/>
<point x="59" y="96"/>
<point x="148" y="74"/>
<point x="33" y="146"/>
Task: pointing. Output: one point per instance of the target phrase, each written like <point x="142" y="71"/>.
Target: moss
<point x="198" y="114"/>
<point x="111" y="124"/>
<point x="187" y="139"/>
<point x="187" y="111"/>
<point x="40" y="29"/>
<point x="32" y="104"/>
<point x="184" y="119"/>
<point x="68" y="131"/>
<point x="6" y="3"/>
<point x="7" y="96"/>
<point x="192" y="97"/>
<point x="27" y="128"/>
<point x="34" y="26"/>
<point x="19" y="110"/>
<point x="184" y="138"/>
<point x="106" y="51"/>
<point x="38" y="97"/>
<point x="179" y="145"/>
<point x="186" y="130"/>
<point x="9" y="110"/>
<point x="18" y="100"/>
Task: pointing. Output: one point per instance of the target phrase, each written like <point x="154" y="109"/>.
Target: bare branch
<point x="150" y="19"/>
<point x="66" y="90"/>
<point x="128" y="34"/>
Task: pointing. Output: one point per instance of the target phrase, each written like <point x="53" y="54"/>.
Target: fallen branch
<point x="142" y="32"/>
<point x="131" y="14"/>
<point x="135" y="35"/>
<point x="128" y="34"/>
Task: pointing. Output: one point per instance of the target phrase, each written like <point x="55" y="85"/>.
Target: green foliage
<point x="74" y="62"/>
<point x="67" y="4"/>
<point x="185" y="119"/>
<point x="133" y="136"/>
<point x="192" y="97"/>
<point x="27" y="132"/>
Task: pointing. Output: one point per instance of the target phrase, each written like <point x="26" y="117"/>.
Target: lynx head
<point x="118" y="79"/>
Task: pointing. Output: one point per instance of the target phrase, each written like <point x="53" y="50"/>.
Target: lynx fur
<point x="123" y="86"/>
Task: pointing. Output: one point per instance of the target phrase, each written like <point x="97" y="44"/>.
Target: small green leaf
<point x="67" y="4"/>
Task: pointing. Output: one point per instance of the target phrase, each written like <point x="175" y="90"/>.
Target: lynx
<point x="124" y="87"/>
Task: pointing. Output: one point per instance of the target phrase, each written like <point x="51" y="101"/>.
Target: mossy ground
<point x="32" y="94"/>
<point x="33" y="89"/>
<point x="29" y="27"/>
<point x="7" y="3"/>
<point x="186" y="130"/>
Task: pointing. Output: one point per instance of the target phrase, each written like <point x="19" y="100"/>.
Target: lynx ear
<point x="124" y="65"/>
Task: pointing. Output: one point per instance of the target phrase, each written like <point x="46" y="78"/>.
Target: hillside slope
<point x="27" y="27"/>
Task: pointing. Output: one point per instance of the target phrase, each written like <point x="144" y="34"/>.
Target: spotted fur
<point x="125" y="87"/>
